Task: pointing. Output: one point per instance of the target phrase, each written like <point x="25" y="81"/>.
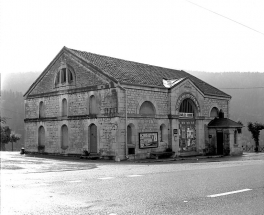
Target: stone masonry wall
<point x="52" y="135"/>
<point x="76" y="135"/>
<point x="31" y="142"/>
<point x="78" y="103"/>
<point x="52" y="107"/>
<point x="209" y="103"/>
<point x="135" y="97"/>
<point x="108" y="135"/>
<point x="31" y="108"/>
<point x="84" y="77"/>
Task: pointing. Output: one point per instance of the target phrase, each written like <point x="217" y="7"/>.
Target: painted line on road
<point x="76" y="181"/>
<point x="39" y="184"/>
<point x="134" y="176"/>
<point x="105" y="178"/>
<point x="228" y="193"/>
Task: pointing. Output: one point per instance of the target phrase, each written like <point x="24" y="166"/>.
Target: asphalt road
<point x="33" y="185"/>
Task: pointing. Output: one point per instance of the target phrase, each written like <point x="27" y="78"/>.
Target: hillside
<point x="18" y="82"/>
<point x="246" y="89"/>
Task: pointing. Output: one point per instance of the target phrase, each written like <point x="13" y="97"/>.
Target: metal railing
<point x="252" y="148"/>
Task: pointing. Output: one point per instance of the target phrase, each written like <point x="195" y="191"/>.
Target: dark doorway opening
<point x="93" y="138"/>
<point x="220" y="143"/>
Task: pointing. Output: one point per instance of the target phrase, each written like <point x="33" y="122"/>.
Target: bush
<point x="168" y="150"/>
<point x="41" y="147"/>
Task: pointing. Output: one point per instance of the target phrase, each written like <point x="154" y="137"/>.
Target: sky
<point x="227" y="36"/>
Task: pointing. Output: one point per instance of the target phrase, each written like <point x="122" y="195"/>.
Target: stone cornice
<point x="70" y="91"/>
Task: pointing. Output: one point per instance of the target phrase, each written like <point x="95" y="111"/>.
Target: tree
<point x="5" y="136"/>
<point x="2" y="120"/>
<point x="13" y="138"/>
<point x="255" y="128"/>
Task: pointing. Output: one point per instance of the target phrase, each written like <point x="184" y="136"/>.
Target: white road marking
<point x="105" y="178"/>
<point x="39" y="184"/>
<point x="228" y="193"/>
<point x="76" y="181"/>
<point x="134" y="175"/>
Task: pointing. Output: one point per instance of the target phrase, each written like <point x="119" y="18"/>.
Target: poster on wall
<point x="187" y="135"/>
<point x="148" y="140"/>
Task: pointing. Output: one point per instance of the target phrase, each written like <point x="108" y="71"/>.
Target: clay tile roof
<point x="224" y="123"/>
<point x="142" y="74"/>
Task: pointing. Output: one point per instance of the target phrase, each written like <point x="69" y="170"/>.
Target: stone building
<point x="118" y="108"/>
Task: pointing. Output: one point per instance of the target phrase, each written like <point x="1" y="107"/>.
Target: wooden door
<point x="93" y="139"/>
<point x="220" y="143"/>
<point x="64" y="139"/>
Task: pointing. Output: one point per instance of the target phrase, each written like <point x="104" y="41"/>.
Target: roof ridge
<point x="131" y="72"/>
<point x="129" y="61"/>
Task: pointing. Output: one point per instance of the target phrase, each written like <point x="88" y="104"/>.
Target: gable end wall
<point x="85" y="77"/>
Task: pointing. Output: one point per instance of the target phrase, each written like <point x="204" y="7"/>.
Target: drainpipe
<point x="125" y="118"/>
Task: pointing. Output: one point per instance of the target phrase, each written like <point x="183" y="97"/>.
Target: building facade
<point x="118" y="108"/>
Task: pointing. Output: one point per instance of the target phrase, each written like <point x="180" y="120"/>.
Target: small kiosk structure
<point x="224" y="136"/>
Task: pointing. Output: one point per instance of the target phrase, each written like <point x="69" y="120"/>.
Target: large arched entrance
<point x="187" y="128"/>
<point x="93" y="138"/>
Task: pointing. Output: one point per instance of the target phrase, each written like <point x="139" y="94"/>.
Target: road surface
<point x="34" y="185"/>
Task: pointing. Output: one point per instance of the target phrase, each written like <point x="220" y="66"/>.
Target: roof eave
<point x="143" y="85"/>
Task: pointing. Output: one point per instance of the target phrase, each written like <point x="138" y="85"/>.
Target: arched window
<point x="64" y="76"/>
<point x="92" y="105"/>
<point x="163" y="133"/>
<point x="187" y="108"/>
<point x="147" y="108"/>
<point x="70" y="76"/>
<point x="57" y="80"/>
<point x="41" y="136"/>
<point x="64" y="107"/>
<point x="41" y="110"/>
<point x="129" y="135"/>
<point x="64" y="137"/>
<point x="131" y="139"/>
<point x="214" y="112"/>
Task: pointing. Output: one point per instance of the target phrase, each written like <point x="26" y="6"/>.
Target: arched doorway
<point x="187" y="128"/>
<point x="41" y="137"/>
<point x="64" y="137"/>
<point x="131" y="139"/>
<point x="92" y="138"/>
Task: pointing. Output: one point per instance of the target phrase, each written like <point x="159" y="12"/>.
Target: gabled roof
<point x="128" y="72"/>
<point x="224" y="123"/>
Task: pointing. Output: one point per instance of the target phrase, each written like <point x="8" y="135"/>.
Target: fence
<point x="252" y="148"/>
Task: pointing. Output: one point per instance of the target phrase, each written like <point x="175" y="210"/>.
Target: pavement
<point x="199" y="158"/>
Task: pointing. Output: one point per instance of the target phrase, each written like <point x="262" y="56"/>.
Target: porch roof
<point x="224" y="123"/>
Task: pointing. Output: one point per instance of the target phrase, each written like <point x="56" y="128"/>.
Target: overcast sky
<point x="169" y="33"/>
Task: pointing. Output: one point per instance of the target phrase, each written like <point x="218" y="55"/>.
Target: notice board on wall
<point x="148" y="140"/>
